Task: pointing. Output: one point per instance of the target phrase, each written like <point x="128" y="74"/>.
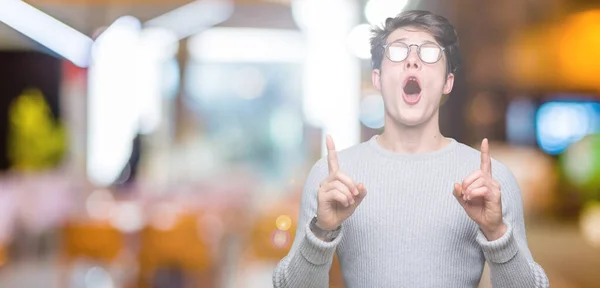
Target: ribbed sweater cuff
<point x="500" y="250"/>
<point x="317" y="251"/>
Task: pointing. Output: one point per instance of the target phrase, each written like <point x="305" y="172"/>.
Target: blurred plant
<point x="581" y="166"/>
<point x="35" y="140"/>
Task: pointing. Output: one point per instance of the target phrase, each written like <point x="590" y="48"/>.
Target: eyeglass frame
<point x="385" y="51"/>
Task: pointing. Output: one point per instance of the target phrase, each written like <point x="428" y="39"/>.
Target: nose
<point x="413" y="61"/>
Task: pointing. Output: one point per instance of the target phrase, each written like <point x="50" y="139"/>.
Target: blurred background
<point x="165" y="143"/>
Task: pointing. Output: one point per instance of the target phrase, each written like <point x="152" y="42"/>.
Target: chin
<point x="409" y="117"/>
<point x="411" y="122"/>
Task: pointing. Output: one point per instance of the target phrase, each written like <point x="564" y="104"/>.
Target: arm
<point x="309" y="260"/>
<point x="509" y="258"/>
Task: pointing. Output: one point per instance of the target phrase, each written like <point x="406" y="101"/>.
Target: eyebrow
<point x="404" y="39"/>
<point x="399" y="40"/>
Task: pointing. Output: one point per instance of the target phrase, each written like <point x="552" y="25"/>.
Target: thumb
<point x="362" y="192"/>
<point x="458" y="193"/>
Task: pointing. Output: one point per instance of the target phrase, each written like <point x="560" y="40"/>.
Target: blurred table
<point x="561" y="250"/>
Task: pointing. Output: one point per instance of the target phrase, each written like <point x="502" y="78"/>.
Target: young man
<point x="436" y="209"/>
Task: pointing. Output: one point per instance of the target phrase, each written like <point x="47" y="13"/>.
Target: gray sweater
<point x="410" y="231"/>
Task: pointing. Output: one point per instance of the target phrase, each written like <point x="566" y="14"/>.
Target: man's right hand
<point x="338" y="194"/>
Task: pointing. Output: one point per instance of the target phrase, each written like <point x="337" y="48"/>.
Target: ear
<point x="376" y="79"/>
<point x="449" y="84"/>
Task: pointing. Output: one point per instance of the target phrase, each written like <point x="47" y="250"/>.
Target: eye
<point x="397" y="51"/>
<point x="430" y="52"/>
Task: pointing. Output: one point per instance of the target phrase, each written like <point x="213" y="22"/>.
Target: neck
<point x="422" y="138"/>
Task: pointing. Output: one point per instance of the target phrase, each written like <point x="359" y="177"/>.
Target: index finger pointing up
<point x="486" y="161"/>
<point x="332" y="160"/>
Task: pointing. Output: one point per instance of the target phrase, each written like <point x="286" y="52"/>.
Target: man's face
<point x="412" y="89"/>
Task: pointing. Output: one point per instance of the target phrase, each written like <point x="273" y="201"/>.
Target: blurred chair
<point x="90" y="240"/>
<point x="3" y="255"/>
<point x="96" y="240"/>
<point x="179" y="249"/>
<point x="263" y="248"/>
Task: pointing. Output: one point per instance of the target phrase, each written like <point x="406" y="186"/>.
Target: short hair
<point x="439" y="27"/>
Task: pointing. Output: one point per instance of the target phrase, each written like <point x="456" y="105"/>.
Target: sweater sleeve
<point x="309" y="260"/>
<point x="511" y="263"/>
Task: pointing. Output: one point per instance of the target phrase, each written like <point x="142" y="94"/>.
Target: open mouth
<point x="412" y="90"/>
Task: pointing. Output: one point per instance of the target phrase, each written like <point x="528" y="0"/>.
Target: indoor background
<point x="165" y="143"/>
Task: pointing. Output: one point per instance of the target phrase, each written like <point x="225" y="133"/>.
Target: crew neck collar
<point x="374" y="144"/>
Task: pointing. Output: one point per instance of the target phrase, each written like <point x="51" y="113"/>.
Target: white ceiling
<point x="88" y="18"/>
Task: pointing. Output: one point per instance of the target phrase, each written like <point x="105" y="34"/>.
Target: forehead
<point x="412" y="35"/>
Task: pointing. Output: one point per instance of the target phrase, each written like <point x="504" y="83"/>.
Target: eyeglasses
<point x="428" y="52"/>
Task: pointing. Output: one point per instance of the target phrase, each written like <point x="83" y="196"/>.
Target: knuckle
<point x="332" y="195"/>
<point x="338" y="175"/>
<point x="343" y="191"/>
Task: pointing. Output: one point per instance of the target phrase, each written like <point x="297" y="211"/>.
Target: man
<point x="436" y="209"/>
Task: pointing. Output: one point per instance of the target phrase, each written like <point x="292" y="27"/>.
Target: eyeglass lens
<point x="429" y="52"/>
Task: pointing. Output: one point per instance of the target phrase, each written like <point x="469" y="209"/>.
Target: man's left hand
<point x="479" y="195"/>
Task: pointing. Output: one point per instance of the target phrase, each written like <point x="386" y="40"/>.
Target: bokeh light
<point x="580" y="30"/>
<point x="283" y="222"/>
<point x="483" y="110"/>
<point x="159" y="43"/>
<point x="164" y="216"/>
<point x="247" y="45"/>
<point x="98" y="277"/>
<point x="280" y="239"/>
<point x="114" y="101"/>
<point x="590" y="223"/>
<point x="581" y="164"/>
<point x="127" y="217"/>
<point x="318" y="14"/>
<point x="100" y="204"/>
<point x="358" y="41"/>
<point x="372" y="111"/>
<point x="376" y="11"/>
<point x="561" y="123"/>
<point x="520" y="121"/>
